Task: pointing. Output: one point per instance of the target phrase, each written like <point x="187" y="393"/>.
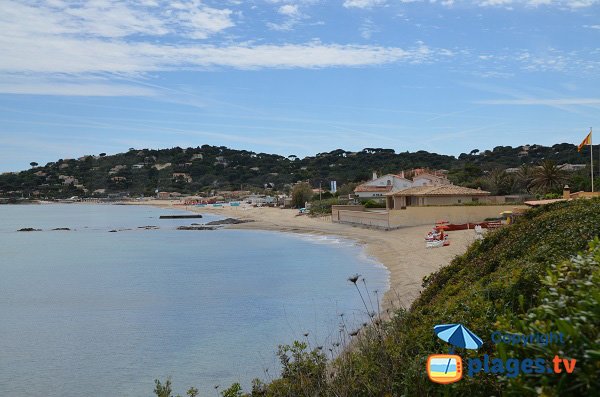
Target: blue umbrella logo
<point x="458" y="335"/>
<point x="447" y="368"/>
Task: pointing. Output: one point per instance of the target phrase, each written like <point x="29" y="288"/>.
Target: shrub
<point x="570" y="301"/>
<point x="322" y="207"/>
<point x="373" y="204"/>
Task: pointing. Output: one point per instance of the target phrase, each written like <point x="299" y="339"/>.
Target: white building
<point x="378" y="187"/>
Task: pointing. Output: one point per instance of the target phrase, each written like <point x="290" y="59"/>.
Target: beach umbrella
<point x="458" y="335"/>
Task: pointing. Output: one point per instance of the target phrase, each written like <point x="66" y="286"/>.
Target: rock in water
<point x="228" y="221"/>
<point x="201" y="227"/>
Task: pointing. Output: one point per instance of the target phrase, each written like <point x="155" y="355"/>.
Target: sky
<point x="294" y="77"/>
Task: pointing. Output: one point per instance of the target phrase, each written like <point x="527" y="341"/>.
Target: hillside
<point x="207" y="168"/>
<point x="521" y="279"/>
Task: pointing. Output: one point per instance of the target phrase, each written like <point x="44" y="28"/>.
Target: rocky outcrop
<point x="228" y="221"/>
<point x="196" y="227"/>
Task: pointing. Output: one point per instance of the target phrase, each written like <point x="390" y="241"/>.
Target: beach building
<point x="259" y="200"/>
<point x="434" y="195"/>
<point x="423" y="205"/>
<point x="378" y="187"/>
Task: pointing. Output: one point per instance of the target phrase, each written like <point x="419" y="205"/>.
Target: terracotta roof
<point x="368" y="188"/>
<point x="443" y="190"/>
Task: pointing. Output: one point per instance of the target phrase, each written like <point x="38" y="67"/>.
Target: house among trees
<point x="178" y="176"/>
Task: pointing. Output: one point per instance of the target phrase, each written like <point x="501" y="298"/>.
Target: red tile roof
<point x="443" y="190"/>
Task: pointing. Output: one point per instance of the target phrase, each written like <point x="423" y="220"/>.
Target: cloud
<point x="543" y="102"/>
<point x="292" y="15"/>
<point x="114" y="18"/>
<point x="289" y="10"/>
<point x="572" y="4"/>
<point x="362" y="3"/>
<point x="58" y="55"/>
<point x="509" y="4"/>
<point x="368" y="28"/>
<point x="106" y="36"/>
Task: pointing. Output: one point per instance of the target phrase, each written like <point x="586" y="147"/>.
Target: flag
<point x="586" y="141"/>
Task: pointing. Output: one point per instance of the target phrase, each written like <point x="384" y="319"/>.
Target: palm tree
<point x="525" y="176"/>
<point x="500" y="181"/>
<point x="548" y="177"/>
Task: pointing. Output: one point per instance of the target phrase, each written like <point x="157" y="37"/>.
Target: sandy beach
<point x="401" y="251"/>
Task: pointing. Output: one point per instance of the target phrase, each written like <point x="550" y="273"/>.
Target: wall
<point x="377" y="219"/>
<point x="416" y="216"/>
<point x="400" y="201"/>
<point x="336" y="208"/>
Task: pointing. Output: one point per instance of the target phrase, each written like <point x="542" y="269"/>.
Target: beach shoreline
<point x="401" y="251"/>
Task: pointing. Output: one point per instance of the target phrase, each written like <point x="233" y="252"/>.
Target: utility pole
<point x="320" y="192"/>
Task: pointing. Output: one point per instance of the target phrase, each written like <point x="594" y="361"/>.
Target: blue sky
<point x="294" y="77"/>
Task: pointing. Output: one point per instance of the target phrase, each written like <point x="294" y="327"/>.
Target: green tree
<point x="234" y="390"/>
<point x="525" y="177"/>
<point x="33" y="164"/>
<point x="347" y="189"/>
<point x="301" y="193"/>
<point x="548" y="178"/>
<point x="500" y="182"/>
<point x="162" y="390"/>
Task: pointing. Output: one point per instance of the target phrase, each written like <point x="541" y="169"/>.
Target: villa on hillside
<point x="427" y="179"/>
<point x="434" y="195"/>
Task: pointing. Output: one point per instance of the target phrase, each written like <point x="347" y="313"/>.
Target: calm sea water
<point x="88" y="312"/>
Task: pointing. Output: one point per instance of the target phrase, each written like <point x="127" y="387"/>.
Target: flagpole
<point x="592" y="158"/>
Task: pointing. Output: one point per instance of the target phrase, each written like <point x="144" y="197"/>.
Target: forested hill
<point x="207" y="167"/>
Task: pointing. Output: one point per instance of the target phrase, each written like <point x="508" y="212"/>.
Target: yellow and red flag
<point x="586" y="141"/>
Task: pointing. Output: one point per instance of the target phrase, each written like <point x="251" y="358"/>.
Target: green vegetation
<point x="208" y="168"/>
<point x="322" y="207"/>
<point x="570" y="302"/>
<point x="524" y="278"/>
<point x="301" y="193"/>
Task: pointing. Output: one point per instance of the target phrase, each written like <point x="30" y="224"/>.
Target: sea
<point x="90" y="312"/>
